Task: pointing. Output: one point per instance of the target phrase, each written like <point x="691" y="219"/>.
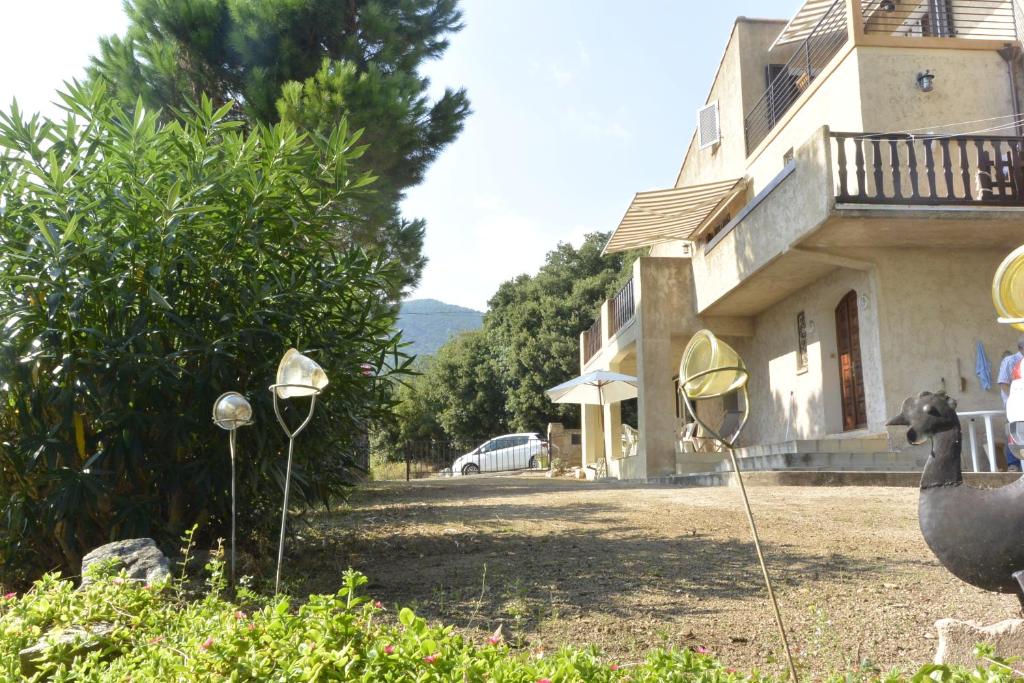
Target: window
<point x="801" y="343"/>
<point x="575" y="439"/>
<point x="517" y="441"/>
<point x="717" y="228"/>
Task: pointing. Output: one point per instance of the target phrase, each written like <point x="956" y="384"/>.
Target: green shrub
<point x="156" y="634"/>
<point x="145" y="268"/>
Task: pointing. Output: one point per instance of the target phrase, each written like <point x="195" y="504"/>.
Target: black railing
<point x="787" y="81"/>
<point x="621" y="309"/>
<point x="980" y="19"/>
<point x="904" y="169"/>
<point x="592" y="341"/>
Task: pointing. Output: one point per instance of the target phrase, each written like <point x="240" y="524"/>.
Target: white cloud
<point x="581" y="52"/>
<point x="560" y="75"/>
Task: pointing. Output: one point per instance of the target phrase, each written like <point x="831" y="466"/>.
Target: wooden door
<point x="851" y="374"/>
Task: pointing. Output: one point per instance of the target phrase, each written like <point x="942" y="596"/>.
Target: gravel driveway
<point x="633" y="567"/>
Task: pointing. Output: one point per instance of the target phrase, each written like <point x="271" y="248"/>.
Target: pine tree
<point x="311" y="62"/>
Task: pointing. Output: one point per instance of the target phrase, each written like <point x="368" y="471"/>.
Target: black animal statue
<point x="977" y="534"/>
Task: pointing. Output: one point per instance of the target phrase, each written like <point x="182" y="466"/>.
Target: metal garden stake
<point x="231" y="410"/>
<point x="297" y="375"/>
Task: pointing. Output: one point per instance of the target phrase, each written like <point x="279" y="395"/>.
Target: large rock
<point x="958" y="638"/>
<point x="138" y="556"/>
<point x="72" y="642"/>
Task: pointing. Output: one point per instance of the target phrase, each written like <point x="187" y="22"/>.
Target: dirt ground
<point x="632" y="567"/>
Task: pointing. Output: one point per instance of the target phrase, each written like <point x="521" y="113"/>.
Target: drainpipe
<point x="1009" y="54"/>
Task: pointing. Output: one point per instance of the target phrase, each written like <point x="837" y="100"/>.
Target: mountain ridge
<point x="429" y="323"/>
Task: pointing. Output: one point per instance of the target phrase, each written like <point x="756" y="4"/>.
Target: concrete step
<point x="843" y="461"/>
<point x="826" y="478"/>
<point x="869" y="443"/>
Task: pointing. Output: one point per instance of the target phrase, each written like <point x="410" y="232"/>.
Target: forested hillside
<point x="429" y="324"/>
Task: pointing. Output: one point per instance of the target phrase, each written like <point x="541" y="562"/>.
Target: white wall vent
<point x="709" y="132"/>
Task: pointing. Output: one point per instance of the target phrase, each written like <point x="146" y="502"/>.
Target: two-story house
<point x="856" y="177"/>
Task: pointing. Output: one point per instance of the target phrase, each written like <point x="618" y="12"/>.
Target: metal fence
<point x="441" y="459"/>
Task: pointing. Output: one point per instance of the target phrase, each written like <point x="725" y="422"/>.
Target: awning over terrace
<point x="803" y="23"/>
<point x="665" y="215"/>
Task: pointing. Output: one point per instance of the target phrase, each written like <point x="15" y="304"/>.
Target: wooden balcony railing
<point x="592" y="340"/>
<point x="941" y="170"/>
<point x="978" y="19"/>
<point x="621" y="309"/>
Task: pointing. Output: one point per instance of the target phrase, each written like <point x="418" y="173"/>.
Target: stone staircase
<point x="866" y="460"/>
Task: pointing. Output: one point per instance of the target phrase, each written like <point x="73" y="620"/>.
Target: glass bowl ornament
<point x="299" y="375"/>
<point x="231" y="410"/>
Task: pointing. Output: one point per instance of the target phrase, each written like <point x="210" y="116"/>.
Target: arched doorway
<point x="851" y="373"/>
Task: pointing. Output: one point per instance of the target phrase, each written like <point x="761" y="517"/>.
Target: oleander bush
<point x="145" y="268"/>
<point x="160" y="633"/>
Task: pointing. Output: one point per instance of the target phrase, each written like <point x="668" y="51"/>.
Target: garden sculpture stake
<point x="710" y="368"/>
<point x="297" y="375"/>
<point x="231" y="411"/>
<point x="975" y="533"/>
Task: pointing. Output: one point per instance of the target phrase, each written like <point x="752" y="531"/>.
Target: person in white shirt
<point x="1006" y="368"/>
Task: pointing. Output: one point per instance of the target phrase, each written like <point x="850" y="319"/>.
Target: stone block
<point x="958" y="638"/>
<point x="73" y="642"/>
<point x="140" y="557"/>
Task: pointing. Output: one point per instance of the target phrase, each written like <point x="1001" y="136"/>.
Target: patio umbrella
<point x="595" y="388"/>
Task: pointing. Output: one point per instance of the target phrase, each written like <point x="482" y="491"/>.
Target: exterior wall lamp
<point x="925" y="81"/>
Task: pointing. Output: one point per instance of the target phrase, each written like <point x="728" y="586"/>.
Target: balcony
<point x="592" y="341"/>
<point x="955" y="170"/>
<point x="622" y="308"/>
<point x="821" y="31"/>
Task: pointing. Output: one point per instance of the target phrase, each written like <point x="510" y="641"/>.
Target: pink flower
<point x="207" y="644"/>
<point x="389" y="649"/>
<point x="147" y="586"/>
<point x="730" y="670"/>
<point x="118" y="580"/>
<point x="701" y="650"/>
<point x="252" y="626"/>
<point x="10" y="596"/>
<point x="430" y="659"/>
<point x="543" y="680"/>
<point x="378" y="605"/>
<point x="239" y="614"/>
<point x="614" y="667"/>
<point x="367" y="369"/>
<point x="155" y="640"/>
<point x="494" y="640"/>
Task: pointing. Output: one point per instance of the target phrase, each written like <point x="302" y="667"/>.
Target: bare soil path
<point x="630" y="567"/>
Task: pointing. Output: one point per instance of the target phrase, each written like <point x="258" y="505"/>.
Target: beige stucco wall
<point x="800" y="203"/>
<point x="969" y="85"/>
<point x="738" y="83"/>
<point x="835" y="103"/>
<point x="935" y="305"/>
<point x="919" y="311"/>
<point x="665" y="314"/>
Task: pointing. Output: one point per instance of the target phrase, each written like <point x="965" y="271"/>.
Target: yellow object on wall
<point x="1008" y="289"/>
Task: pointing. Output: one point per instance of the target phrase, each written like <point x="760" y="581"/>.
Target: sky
<point x="576" y="104"/>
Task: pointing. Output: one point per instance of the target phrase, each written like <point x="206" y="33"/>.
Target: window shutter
<point x="709" y="132"/>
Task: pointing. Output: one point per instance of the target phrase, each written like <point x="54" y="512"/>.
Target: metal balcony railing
<point x="979" y="19"/>
<point x="592" y="341"/>
<point x="939" y="170"/>
<point x="787" y="81"/>
<point x="621" y="309"/>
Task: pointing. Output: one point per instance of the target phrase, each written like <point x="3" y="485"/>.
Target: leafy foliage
<point x="145" y="268"/>
<point x="486" y="382"/>
<point x="312" y="63"/>
<point x="155" y="634"/>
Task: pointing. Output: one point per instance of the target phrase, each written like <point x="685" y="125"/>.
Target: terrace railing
<point x="621" y="309"/>
<point x="592" y="340"/>
<point x="787" y="81"/>
<point x="979" y="19"/>
<point x="938" y="170"/>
